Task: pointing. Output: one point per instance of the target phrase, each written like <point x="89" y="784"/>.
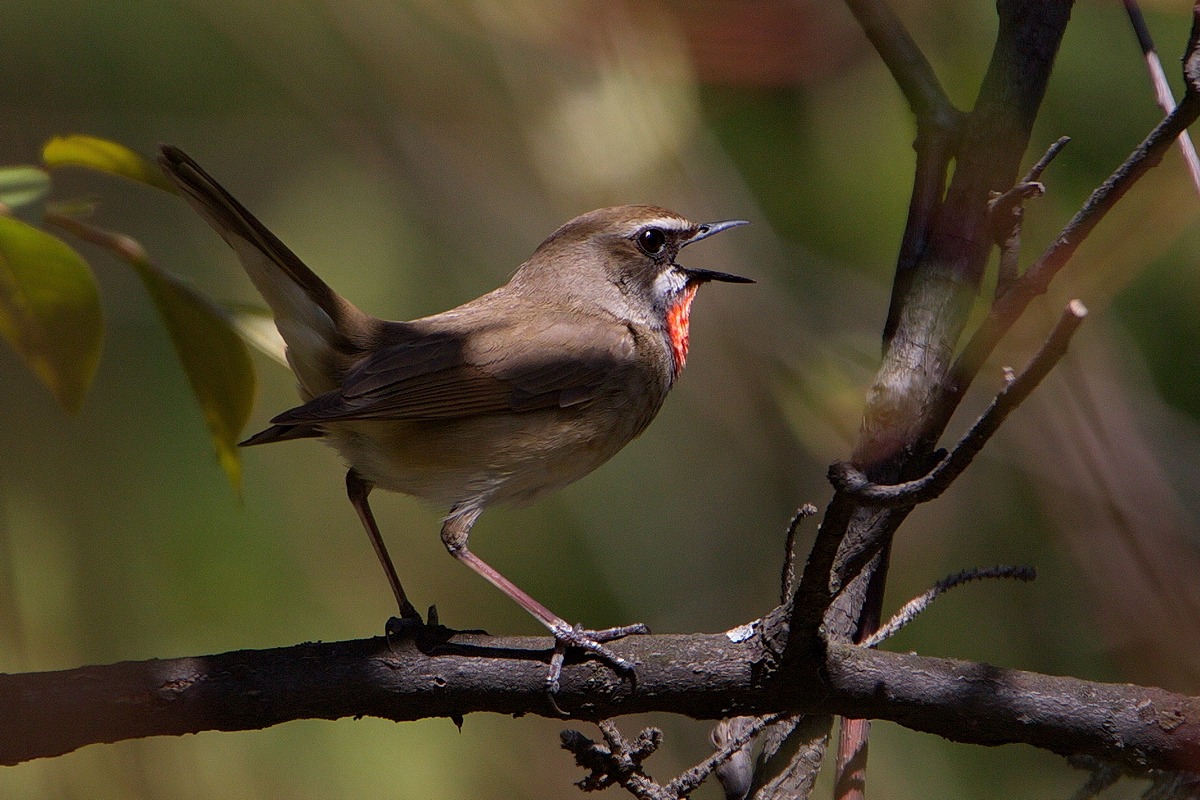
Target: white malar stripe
<point x="669" y="282"/>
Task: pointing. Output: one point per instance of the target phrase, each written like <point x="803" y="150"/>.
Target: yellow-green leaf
<point x="213" y="356"/>
<point x="23" y="185"/>
<point x="105" y="156"/>
<point x="49" y="310"/>
<point x="257" y="326"/>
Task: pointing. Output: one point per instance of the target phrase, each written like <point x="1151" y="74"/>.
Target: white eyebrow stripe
<point x="668" y="223"/>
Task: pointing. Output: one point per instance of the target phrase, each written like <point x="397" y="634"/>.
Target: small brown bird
<point x="502" y="400"/>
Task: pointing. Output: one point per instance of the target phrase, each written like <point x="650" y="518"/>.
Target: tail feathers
<point x="282" y="433"/>
<point x="312" y="318"/>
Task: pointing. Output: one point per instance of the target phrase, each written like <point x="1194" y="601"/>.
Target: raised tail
<point x="322" y="329"/>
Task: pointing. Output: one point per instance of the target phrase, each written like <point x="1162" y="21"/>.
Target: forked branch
<point x="847" y="478"/>
<point x="1009" y="307"/>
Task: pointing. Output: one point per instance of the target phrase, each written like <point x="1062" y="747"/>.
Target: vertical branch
<point x="938" y="127"/>
<point x="934" y="146"/>
<point x="939" y="271"/>
<point x="931" y="321"/>
<point x="899" y="417"/>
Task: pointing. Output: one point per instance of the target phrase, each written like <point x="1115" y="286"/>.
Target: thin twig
<point x="1162" y="89"/>
<point x="618" y="762"/>
<point x="788" y="581"/>
<point x="1007" y="212"/>
<point x="686" y="782"/>
<point x="793" y="750"/>
<point x="1002" y="204"/>
<point x="124" y="247"/>
<point x="736" y="772"/>
<point x="847" y="478"/>
<point x="917" y="605"/>
<point x="1008" y="308"/>
<point x="1101" y="775"/>
<point x="1035" y="172"/>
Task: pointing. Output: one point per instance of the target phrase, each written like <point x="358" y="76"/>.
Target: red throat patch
<point x="678" y="316"/>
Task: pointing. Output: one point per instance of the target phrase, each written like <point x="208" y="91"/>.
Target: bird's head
<point x="622" y="261"/>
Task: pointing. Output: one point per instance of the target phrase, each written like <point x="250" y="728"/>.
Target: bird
<point x="501" y="400"/>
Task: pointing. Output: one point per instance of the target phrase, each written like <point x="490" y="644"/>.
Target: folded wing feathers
<point x="430" y="378"/>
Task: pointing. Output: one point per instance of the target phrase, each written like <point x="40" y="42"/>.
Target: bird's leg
<point x="358" y="487"/>
<point x="455" y="532"/>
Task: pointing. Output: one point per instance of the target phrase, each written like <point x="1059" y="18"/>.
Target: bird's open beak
<point x="705" y="275"/>
<point x="703" y="232"/>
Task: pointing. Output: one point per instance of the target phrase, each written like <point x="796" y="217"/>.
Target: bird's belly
<point x="500" y="458"/>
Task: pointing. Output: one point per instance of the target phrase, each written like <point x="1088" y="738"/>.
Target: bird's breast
<point x="511" y="458"/>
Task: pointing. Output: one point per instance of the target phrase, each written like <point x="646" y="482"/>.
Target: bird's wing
<point x="442" y="375"/>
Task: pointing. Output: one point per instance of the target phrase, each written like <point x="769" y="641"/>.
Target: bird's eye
<point x="652" y="241"/>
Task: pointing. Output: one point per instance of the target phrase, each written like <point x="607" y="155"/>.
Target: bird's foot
<point x="428" y="633"/>
<point x="408" y="624"/>
<point x="593" y="642"/>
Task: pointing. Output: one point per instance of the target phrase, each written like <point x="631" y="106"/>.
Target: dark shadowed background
<point x="414" y="153"/>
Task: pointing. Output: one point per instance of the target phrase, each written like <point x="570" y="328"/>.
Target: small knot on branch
<point x="1006" y="214"/>
<point x="1004" y="205"/>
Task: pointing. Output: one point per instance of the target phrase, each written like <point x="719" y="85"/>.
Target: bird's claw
<point x="593" y="642"/>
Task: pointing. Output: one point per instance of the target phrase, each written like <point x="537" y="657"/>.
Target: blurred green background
<point x="414" y="153"/>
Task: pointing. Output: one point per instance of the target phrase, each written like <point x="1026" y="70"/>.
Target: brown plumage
<point x="503" y="399"/>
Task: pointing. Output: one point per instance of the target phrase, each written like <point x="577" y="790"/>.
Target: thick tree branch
<point x="701" y="675"/>
<point x="51" y="713"/>
<point x="1147" y="727"/>
<point x="900" y="421"/>
<point x="850" y="480"/>
<point x="898" y="418"/>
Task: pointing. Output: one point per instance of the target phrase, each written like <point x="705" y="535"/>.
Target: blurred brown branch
<point x="939" y="124"/>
